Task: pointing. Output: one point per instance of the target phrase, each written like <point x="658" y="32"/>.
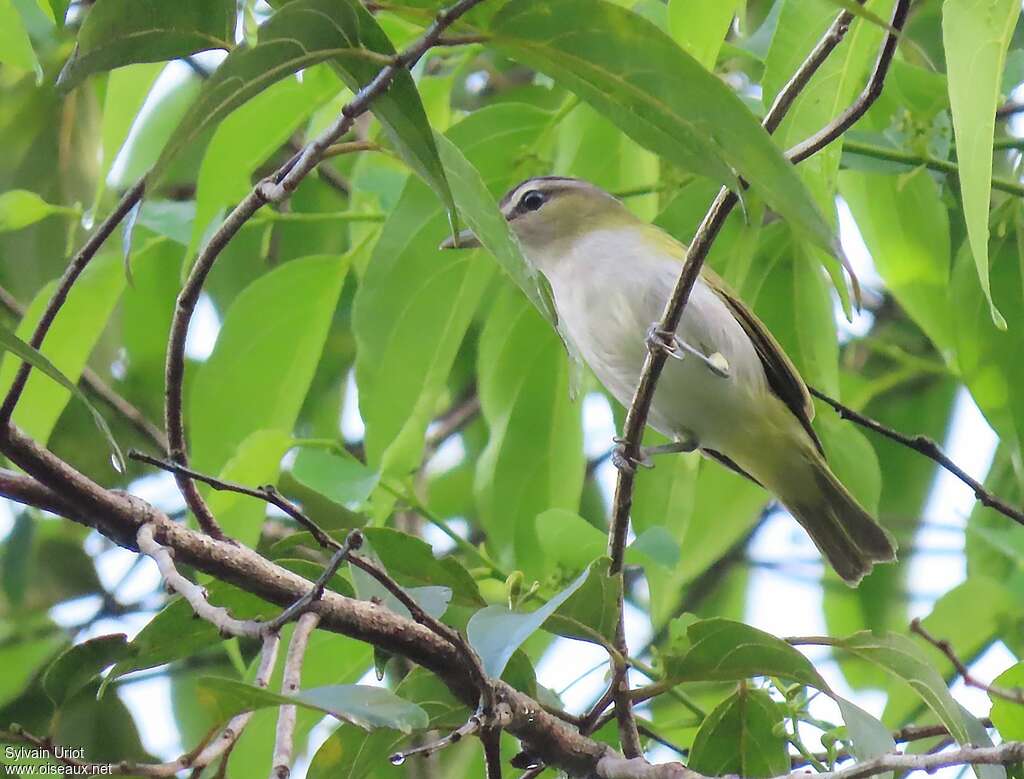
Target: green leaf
<point x="592" y="612"/>
<point x="900" y="657"/>
<point x="496" y="633"/>
<point x="480" y="210"/>
<point x="362" y="705"/>
<point x="568" y="539"/>
<point x="415" y="302"/>
<point x="80" y="664"/>
<point x="411" y="562"/>
<point x="432" y="599"/>
<point x="264" y="359"/>
<point x="989" y="358"/>
<point x="700" y="26"/>
<point x="175" y="632"/>
<point x="534" y="456"/>
<point x="127" y="90"/>
<point x="979" y="737"/>
<point x="299" y="35"/>
<point x="1008" y="716"/>
<point x="975" y="35"/>
<point x="341" y="478"/>
<point x="658" y="94"/>
<point x="248" y="137"/>
<point x="68" y="344"/>
<point x="739" y="737"/>
<point x="905" y="225"/>
<point x="723" y="650"/>
<point x="869" y="737"/>
<point x="22" y="659"/>
<point x="255" y="462"/>
<point x="20" y="208"/>
<point x="121" y="32"/>
<point x="15" y="46"/>
<point x="656" y="545"/>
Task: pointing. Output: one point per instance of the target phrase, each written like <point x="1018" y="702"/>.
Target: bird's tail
<point x="843" y="531"/>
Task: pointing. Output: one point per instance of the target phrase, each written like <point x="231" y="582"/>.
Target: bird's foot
<point x="675" y="347"/>
<point x="624" y="461"/>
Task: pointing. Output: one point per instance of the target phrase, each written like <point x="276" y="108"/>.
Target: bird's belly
<point x="690" y="400"/>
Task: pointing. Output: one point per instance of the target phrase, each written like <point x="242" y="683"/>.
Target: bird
<point x="732" y="393"/>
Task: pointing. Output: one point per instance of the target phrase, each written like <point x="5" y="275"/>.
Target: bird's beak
<point x="464" y="240"/>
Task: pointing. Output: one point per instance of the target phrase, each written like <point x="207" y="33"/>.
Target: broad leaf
<point x="480" y="210"/>
<point x="739" y="737"/>
<point x="524" y="388"/>
<point x="65" y="351"/>
<point x="658" y="94"/>
<point x="362" y="705"/>
<point x="700" y="26"/>
<point x="869" y="737"/>
<point x="901" y="657"/>
<point x="592" y="612"/>
<point x="1008" y="716"/>
<point x="568" y="539"/>
<point x="496" y="633"/>
<point x="121" y="32"/>
<point x="301" y="34"/>
<point x="975" y="34"/>
<point x="265" y="357"/>
<point x="416" y="302"/>
<point x="339" y="477"/>
<point x="20" y="208"/>
<point x="80" y="664"/>
<point x="723" y="650"/>
<point x="15" y="45"/>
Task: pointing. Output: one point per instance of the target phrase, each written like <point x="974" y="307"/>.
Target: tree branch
<point x="1013" y="694"/>
<point x="272" y="189"/>
<point x="714" y="219"/>
<point x="929" y="449"/>
<point x="290" y="684"/>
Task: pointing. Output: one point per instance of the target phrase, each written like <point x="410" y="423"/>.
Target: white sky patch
<point x="352" y="427"/>
<point x="203" y="330"/>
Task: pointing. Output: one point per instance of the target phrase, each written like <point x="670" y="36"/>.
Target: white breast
<point x="608" y="293"/>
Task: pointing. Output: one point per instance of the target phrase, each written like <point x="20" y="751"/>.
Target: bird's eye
<point x="532" y="200"/>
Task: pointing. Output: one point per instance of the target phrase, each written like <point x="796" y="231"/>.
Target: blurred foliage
<point x="425" y="395"/>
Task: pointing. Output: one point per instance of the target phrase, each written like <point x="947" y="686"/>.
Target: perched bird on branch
<point x="731" y="392"/>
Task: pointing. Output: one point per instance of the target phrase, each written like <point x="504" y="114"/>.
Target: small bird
<point x="731" y="393"/>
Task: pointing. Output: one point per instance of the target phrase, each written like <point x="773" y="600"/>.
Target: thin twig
<point x="272" y="189"/>
<point x="853" y="146"/>
<point x="930" y="449"/>
<point x="316" y="592"/>
<point x="1014" y="694"/>
<point x="468" y="728"/>
<point x="63" y="288"/>
<point x="267" y="493"/>
<point x="290" y="684"/>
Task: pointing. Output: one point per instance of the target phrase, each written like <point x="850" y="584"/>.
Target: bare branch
<point x="78" y="264"/>
<point x="193" y="593"/>
<point x="929" y="449"/>
<point x="468" y="728"/>
<point x="266" y="493"/>
<point x="1014" y="694"/>
<point x="290" y="684"/>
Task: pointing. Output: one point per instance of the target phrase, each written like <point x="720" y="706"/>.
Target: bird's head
<point x="547" y="213"/>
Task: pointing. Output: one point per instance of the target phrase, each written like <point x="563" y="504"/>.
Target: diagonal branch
<point x="1013" y="694"/>
<point x="929" y="449"/>
<point x="654" y="361"/>
<point x="280" y="765"/>
<point x="272" y="189"/>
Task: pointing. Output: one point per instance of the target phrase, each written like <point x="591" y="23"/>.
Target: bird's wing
<point x="783" y="377"/>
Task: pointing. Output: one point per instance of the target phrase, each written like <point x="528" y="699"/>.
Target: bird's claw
<point x="624" y="461"/>
<point x="672" y="345"/>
